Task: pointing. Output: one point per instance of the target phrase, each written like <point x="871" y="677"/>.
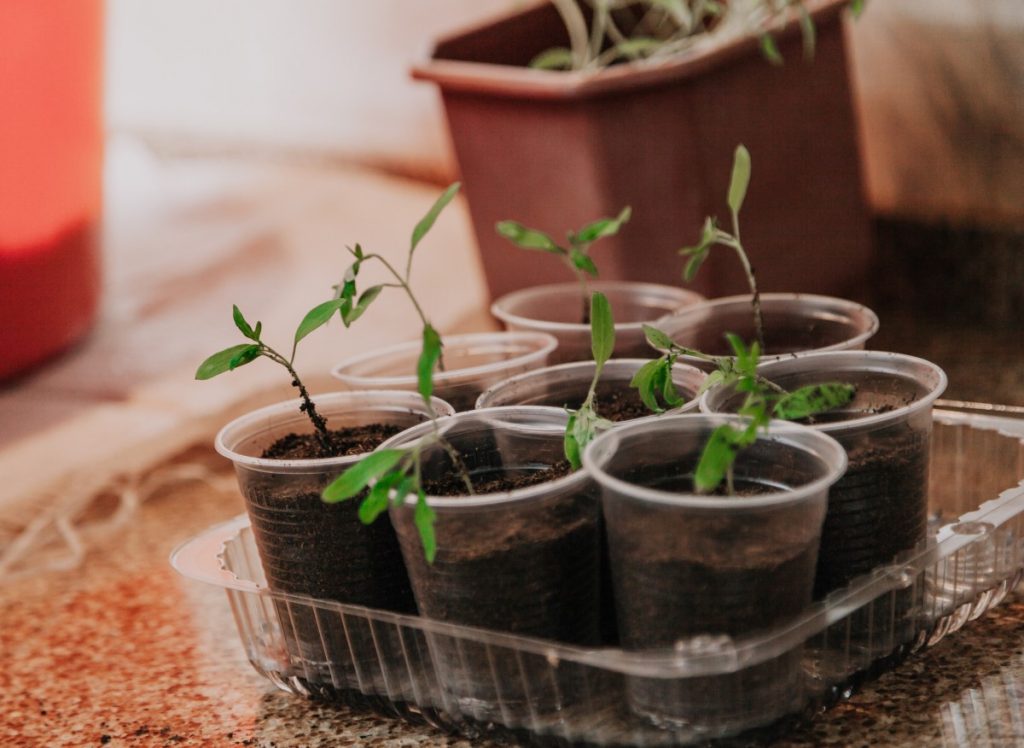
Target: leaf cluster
<point x="585" y="422"/>
<point x="763" y="401"/>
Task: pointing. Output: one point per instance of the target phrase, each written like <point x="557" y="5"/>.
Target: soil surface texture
<point x="343" y="442"/>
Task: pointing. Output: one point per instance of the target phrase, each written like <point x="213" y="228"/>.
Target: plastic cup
<point x="566" y="386"/>
<point x="523" y="561"/>
<point x="686" y="565"/>
<point x="558" y="309"/>
<point x="311" y="548"/>
<point x="793" y="324"/>
<point x="879" y="507"/>
<point x="472" y="363"/>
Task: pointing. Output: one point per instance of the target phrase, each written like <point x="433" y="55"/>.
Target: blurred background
<point x="161" y="160"/>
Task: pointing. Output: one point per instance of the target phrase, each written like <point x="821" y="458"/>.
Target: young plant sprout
<point x="763" y="401"/>
<point x="239" y="355"/>
<point x="584" y="423"/>
<point x="577" y="255"/>
<point x="397" y="473"/>
<point x="712" y="235"/>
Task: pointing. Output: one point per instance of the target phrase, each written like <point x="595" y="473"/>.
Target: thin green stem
<point x="319" y="422"/>
<point x="755" y="298"/>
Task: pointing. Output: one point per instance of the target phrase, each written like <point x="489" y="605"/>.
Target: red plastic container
<point x="51" y="151"/>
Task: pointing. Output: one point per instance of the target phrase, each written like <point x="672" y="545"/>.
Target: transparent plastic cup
<point x="307" y="547"/>
<point x="472" y="363"/>
<point x="793" y="324"/>
<point x="566" y="386"/>
<point x="558" y="309"/>
<point x="705" y="568"/>
<point x="522" y="561"/>
<point x="880" y="506"/>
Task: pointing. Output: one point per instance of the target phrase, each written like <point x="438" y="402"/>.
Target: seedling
<point x="394" y="474"/>
<point x="712" y="235"/>
<point x="585" y="422"/>
<point x="239" y="355"/>
<point x="628" y="30"/>
<point x="763" y="401"/>
<point x="577" y="255"/>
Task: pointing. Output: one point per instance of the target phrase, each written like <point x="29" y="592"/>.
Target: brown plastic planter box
<point x="556" y="149"/>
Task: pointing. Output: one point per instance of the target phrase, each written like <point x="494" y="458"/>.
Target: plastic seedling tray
<point x="973" y="556"/>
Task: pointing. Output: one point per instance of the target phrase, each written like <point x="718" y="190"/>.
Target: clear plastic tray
<point x="544" y="691"/>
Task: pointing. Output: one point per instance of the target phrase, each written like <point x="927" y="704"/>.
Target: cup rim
<point x="543" y="344"/>
<point x="395" y="400"/>
<point x="881" y="361"/>
<point x="793" y="435"/>
<point x="575" y="479"/>
<point x="687" y="298"/>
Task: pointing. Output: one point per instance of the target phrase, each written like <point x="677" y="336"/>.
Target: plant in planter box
<point x="468" y="363"/>
<point x="704" y="568"/>
<point x="547" y="146"/>
<point x="284" y="455"/>
<point x="879" y="507"/>
<point x="780" y="323"/>
<point x="553" y="309"/>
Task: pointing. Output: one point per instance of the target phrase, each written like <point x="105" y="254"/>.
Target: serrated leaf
<point x="429" y="355"/>
<point x="770" y="50"/>
<point x="657" y="339"/>
<point x="317" y="317"/>
<point x="582" y="261"/>
<point x="556" y="58"/>
<point x="527" y="238"/>
<point x="603" y="227"/>
<point x="427" y="222"/>
<point x="718" y="455"/>
<point x="740" y="179"/>
<point x="241" y="324"/>
<point x="357" y="477"/>
<point x="220" y="362"/>
<point x="570" y="446"/>
<point x="812" y="400"/>
<point x="245" y="356"/>
<point x="424" y="518"/>
<point x="365" y="299"/>
<point x="602" y="329"/>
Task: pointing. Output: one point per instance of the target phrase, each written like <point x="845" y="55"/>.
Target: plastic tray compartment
<point x="544" y="691"/>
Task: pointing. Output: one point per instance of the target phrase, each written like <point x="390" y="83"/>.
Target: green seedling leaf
<point x="669" y="393"/>
<point x="657" y="339"/>
<point x="714" y="378"/>
<point x="427" y="222"/>
<point x="424" y="518"/>
<point x="808" y="33"/>
<point x="556" y="58"/>
<point x="527" y="238"/>
<point x="693" y="265"/>
<point x="812" y="400"/>
<point x="637" y="47"/>
<point x="740" y="178"/>
<point x="258" y="331"/>
<point x="770" y="50"/>
<point x="377" y="499"/>
<point x="570" y="445"/>
<point x="429" y="355"/>
<point x="602" y="329"/>
<point x="581" y="261"/>
<point x="856" y="8"/>
<point x="246" y="355"/>
<point x="242" y="325"/>
<point x="220" y="362"/>
<point x="355" y="312"/>
<point x="644" y="381"/>
<point x="603" y="227"/>
<point x="716" y="459"/>
<point x="357" y="477"/>
<point x="317" y="317"/>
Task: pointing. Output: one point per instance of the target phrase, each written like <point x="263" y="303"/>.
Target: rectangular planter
<point x="557" y="149"/>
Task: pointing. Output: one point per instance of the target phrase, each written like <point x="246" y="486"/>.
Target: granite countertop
<point x="122" y="651"/>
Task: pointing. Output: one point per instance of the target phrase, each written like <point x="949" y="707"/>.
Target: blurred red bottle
<point x="51" y="150"/>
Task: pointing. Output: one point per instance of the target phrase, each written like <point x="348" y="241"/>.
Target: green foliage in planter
<point x="585" y="422"/>
<point x="763" y="401"/>
<point x="577" y="255"/>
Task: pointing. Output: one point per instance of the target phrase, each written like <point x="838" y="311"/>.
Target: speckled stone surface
<point x="123" y="652"/>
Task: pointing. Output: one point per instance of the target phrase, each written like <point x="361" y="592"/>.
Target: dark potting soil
<point x="495" y="481"/>
<point x="620" y="402"/>
<point x="353" y="440"/>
